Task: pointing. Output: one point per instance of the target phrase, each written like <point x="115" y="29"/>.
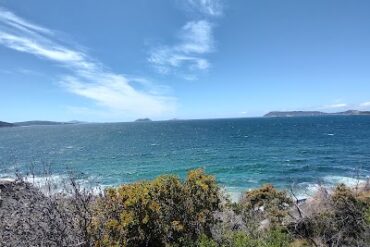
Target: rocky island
<point x="143" y="120"/>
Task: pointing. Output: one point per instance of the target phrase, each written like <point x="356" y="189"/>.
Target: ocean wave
<point x="350" y="181"/>
<point x="305" y="189"/>
<point x="58" y="183"/>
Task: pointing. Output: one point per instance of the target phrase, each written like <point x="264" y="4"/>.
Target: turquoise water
<point x="242" y="153"/>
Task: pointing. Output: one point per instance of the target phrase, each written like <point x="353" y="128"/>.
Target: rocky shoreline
<point x="31" y="217"/>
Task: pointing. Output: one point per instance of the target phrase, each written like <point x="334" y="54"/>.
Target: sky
<point x="112" y="61"/>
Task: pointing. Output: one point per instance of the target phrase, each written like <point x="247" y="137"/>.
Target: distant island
<point x="270" y="114"/>
<point x="143" y="120"/>
<point x="5" y="124"/>
<point x="314" y="113"/>
<point x="36" y="123"/>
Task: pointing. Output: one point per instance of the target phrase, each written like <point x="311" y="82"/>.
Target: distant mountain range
<point x="314" y="113"/>
<point x="35" y="123"/>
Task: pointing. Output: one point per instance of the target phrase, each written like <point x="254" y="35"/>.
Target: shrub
<point x="267" y="203"/>
<point x="157" y="213"/>
<point x="168" y="211"/>
<point x="272" y="238"/>
<point x="367" y="216"/>
<point x="276" y="237"/>
<point x="205" y="241"/>
<point x="342" y="223"/>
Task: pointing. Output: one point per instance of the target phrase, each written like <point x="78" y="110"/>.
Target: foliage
<point x="343" y="223"/>
<point x="367" y="216"/>
<point x="157" y="213"/>
<point x="267" y="202"/>
<point x="272" y="238"/>
<point x="168" y="211"/>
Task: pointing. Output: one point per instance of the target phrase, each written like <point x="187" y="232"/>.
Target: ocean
<point x="298" y="152"/>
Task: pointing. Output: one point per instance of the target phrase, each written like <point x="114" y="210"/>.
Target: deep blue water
<point x="242" y="153"/>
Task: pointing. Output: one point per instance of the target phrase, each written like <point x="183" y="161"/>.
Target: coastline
<point x="302" y="190"/>
<point x="201" y="206"/>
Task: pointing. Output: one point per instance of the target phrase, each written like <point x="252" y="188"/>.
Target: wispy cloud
<point x="17" y="22"/>
<point x="365" y="104"/>
<point x="196" y="37"/>
<point x="115" y="93"/>
<point x="334" y="106"/>
<point x="87" y="78"/>
<point x="195" y="40"/>
<point x="207" y="7"/>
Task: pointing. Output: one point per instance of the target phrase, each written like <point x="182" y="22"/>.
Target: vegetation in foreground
<point x="168" y="211"/>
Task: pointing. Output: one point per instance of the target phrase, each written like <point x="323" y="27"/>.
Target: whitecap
<point x="305" y="190"/>
<point x="6" y="179"/>
<point x="234" y="193"/>
<point x="350" y="181"/>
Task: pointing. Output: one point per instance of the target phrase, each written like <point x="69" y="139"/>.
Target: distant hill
<point x="37" y="122"/>
<point x="313" y="113"/>
<point x="5" y="124"/>
<point x="294" y="113"/>
<point x="352" y="112"/>
<point x="143" y="120"/>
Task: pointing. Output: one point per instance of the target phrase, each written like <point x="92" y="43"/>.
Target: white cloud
<point x="195" y="40"/>
<point x="46" y="50"/>
<point x="15" y="21"/>
<point x="208" y="7"/>
<point x="365" y="104"/>
<point x="187" y="56"/>
<point x="333" y="106"/>
<point x="88" y="78"/>
<point x="115" y="93"/>
<point x="196" y="37"/>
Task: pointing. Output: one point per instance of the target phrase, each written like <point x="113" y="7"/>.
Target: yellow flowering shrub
<point x="160" y="212"/>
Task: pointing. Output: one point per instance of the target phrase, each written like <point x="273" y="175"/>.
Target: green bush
<point x="367" y="216"/>
<point x="276" y="237"/>
<point x="266" y="202"/>
<point x="158" y="213"/>
<point x="205" y="241"/>
<point x="272" y="238"/>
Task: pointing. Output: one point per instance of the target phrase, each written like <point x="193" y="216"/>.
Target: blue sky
<point x="121" y="60"/>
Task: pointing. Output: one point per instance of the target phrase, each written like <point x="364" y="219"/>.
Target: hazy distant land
<point x="5" y="124"/>
<point x="143" y="120"/>
<point x="270" y="114"/>
<point x="314" y="113"/>
<point x="35" y="123"/>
